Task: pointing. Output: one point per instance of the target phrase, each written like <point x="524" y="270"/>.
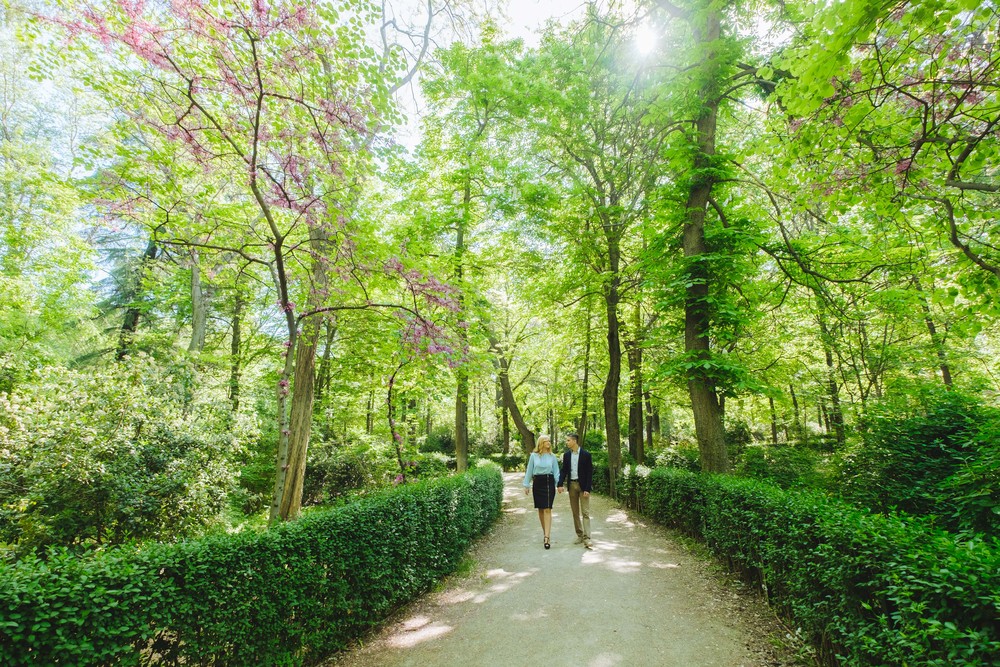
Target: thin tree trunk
<point x="635" y="413"/>
<point x="503" y="416"/>
<point x="799" y="428"/>
<point x="411" y="420"/>
<point x="527" y="435"/>
<point x="397" y="439"/>
<point x="370" y="413"/>
<point x="582" y="428"/>
<point x="462" y="388"/>
<point x="936" y="339"/>
<point x="836" y="416"/>
<point x="705" y="403"/>
<point x="300" y="421"/>
<point x="133" y="312"/>
<point x="649" y="417"/>
<point x="774" y="421"/>
<point x="234" y="350"/>
<point x="323" y="376"/>
<point x="199" y="307"/>
<point x="612" y="427"/>
<point x="506" y="429"/>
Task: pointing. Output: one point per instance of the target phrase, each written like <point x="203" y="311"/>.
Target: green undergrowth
<point x="865" y="589"/>
<point x="287" y="596"/>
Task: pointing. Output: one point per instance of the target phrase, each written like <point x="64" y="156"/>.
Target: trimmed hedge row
<point x="288" y="596"/>
<point x="865" y="589"/>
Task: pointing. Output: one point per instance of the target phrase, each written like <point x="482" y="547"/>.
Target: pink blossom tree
<point x="277" y="99"/>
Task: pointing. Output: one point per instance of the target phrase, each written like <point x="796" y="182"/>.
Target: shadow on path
<point x="637" y="598"/>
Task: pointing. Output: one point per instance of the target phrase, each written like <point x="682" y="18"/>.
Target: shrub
<point x="782" y="465"/>
<point x="113" y="454"/>
<point x="684" y="456"/>
<point x="333" y="471"/>
<point x="593" y="441"/>
<point x="866" y="589"/>
<point x="288" y="596"/>
<point x="440" y="439"/>
<point x="738" y="437"/>
<point x="515" y="461"/>
<point x="924" y="462"/>
<point x="434" y="464"/>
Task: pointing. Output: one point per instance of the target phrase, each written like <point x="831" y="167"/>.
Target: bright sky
<point x="518" y="18"/>
<point x="527" y="17"/>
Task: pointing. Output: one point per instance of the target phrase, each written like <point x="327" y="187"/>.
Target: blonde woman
<point x="541" y="477"/>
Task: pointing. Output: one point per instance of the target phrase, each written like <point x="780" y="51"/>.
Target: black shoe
<point x="547" y="545"/>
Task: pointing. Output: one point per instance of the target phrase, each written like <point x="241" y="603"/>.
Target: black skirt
<point x="543" y="487"/>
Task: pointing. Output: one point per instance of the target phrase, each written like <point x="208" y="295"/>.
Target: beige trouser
<point x="580" y="504"/>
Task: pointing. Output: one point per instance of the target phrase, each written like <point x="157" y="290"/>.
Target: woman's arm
<point x="529" y="473"/>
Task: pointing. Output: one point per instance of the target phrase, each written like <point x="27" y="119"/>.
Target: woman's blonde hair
<point x="538" y="444"/>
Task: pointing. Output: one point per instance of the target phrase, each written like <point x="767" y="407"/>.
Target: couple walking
<point x="544" y="476"/>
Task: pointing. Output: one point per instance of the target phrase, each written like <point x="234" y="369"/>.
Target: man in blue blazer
<point x="578" y="472"/>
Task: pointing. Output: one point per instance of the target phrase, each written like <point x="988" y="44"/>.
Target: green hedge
<point x="513" y="462"/>
<point x="866" y="589"/>
<point x="288" y="596"/>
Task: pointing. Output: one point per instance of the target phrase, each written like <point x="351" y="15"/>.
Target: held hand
<point x="559" y="489"/>
<point x="585" y="494"/>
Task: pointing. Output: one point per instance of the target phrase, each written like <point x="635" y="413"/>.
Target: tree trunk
<point x="370" y="410"/>
<point x="527" y="435"/>
<point x="411" y="420"/>
<point x="397" y="439"/>
<point x="936" y="339"/>
<point x="708" y="411"/>
<point x="506" y="428"/>
<point x="582" y="428"/>
<point x="649" y="417"/>
<point x="284" y="390"/>
<point x="323" y="376"/>
<point x="300" y="421"/>
<point x="612" y="428"/>
<point x="133" y="312"/>
<point x="199" y="307"/>
<point x="234" y="350"/>
<point x="774" y="421"/>
<point x="635" y="412"/>
<point x="799" y="428"/>
<point x="462" y="375"/>
<point x="503" y="422"/>
<point x="836" y="416"/>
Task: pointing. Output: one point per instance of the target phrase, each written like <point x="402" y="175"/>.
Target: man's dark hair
<point x="574" y="436"/>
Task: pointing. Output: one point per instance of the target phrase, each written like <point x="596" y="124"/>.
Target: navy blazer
<point x="585" y="469"/>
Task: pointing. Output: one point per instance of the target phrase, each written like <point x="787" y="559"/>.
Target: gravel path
<point x="638" y="598"/>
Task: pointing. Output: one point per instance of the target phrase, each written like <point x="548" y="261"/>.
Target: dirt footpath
<point x="638" y="598"/>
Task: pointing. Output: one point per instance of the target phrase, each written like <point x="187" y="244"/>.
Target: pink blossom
<point x="903" y="165"/>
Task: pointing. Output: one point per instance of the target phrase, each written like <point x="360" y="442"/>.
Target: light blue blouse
<point x="541" y="464"/>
